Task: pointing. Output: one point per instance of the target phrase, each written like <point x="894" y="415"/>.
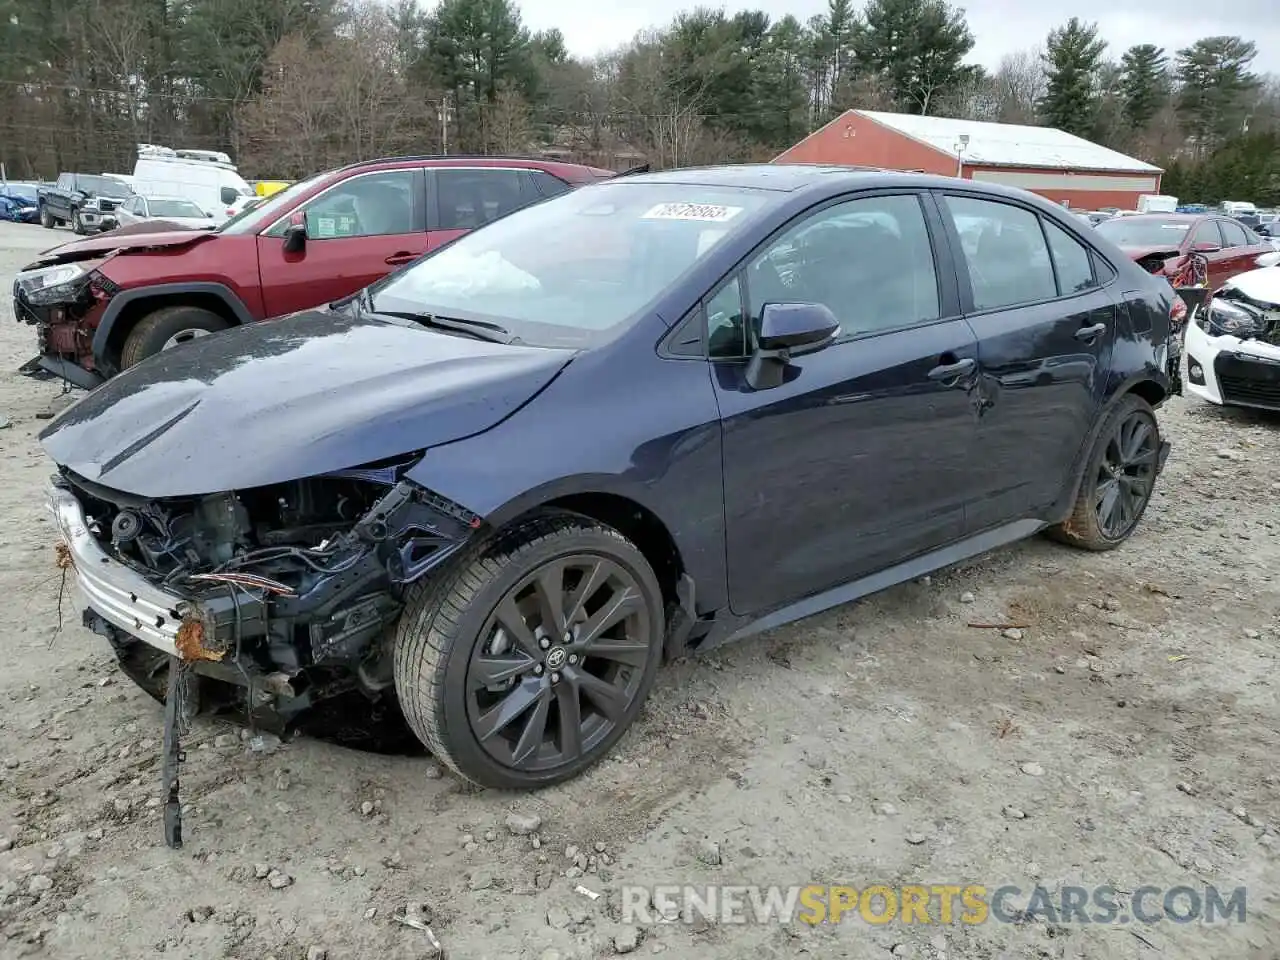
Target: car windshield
<point x="1145" y="232"/>
<point x="19" y="191"/>
<point x="102" y="186"/>
<point x="173" y="208"/>
<point x="562" y="272"/>
<point x="258" y="215"/>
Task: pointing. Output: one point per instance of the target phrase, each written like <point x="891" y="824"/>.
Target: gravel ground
<point x="1126" y="736"/>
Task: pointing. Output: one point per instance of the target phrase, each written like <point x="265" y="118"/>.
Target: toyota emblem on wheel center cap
<point x="556" y="657"/>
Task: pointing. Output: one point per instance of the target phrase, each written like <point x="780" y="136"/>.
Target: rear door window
<point x="469" y="197"/>
<point x="1207" y="232"/>
<point x="1233" y="234"/>
<point x="1071" y="259"/>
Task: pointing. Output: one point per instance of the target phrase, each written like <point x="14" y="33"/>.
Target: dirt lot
<point x="1127" y="738"/>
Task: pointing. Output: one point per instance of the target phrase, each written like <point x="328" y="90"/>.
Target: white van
<point x="1238" y="208"/>
<point x="206" y="177"/>
<point x="1157" y="203"/>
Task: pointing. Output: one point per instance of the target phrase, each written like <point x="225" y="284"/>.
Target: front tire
<point x="524" y="664"/>
<point x="77" y="227"/>
<point x="165" y="328"/>
<point x="1118" y="480"/>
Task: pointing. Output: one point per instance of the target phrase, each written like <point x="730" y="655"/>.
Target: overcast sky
<point x="999" y="26"/>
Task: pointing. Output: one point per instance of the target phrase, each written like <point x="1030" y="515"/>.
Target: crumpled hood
<point x="291" y="398"/>
<point x="114" y="241"/>
<point x="1262" y="285"/>
<point x="1138" y="253"/>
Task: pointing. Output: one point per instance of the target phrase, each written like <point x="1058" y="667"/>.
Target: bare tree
<point x="1020" y="82"/>
<point x="508" y="123"/>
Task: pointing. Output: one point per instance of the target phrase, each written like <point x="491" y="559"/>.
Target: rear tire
<point x="47" y="219"/>
<point x="168" y="327"/>
<point x="552" y="702"/>
<point x="1118" y="480"/>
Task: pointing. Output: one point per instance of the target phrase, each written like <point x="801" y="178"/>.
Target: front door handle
<point x="949" y="371"/>
<point x="1091" y="333"/>
<point x="404" y="256"/>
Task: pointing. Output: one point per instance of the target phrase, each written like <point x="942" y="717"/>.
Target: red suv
<point x="1162" y="243"/>
<point x="104" y="303"/>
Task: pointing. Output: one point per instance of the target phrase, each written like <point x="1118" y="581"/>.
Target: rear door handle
<point x="948" y="371"/>
<point x="404" y="256"/>
<point x="1091" y="333"/>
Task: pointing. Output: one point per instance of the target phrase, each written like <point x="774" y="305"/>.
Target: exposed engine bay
<point x="295" y="581"/>
<point x="264" y="601"/>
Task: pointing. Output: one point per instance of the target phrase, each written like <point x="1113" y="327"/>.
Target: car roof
<point x="1172" y="217"/>
<point x="573" y="172"/>
<point x="824" y="180"/>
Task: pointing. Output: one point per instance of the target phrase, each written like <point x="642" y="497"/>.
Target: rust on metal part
<point x="62" y="555"/>
<point x="190" y="642"/>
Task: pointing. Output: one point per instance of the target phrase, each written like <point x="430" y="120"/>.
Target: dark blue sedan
<point x="18" y="203"/>
<point x="639" y="420"/>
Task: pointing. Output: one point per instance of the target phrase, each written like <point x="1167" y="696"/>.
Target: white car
<point x="177" y="210"/>
<point x="1232" y="346"/>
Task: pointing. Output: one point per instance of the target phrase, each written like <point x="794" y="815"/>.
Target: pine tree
<point x="1072" y="58"/>
<point x="1144" y="83"/>
<point x="917" y="47"/>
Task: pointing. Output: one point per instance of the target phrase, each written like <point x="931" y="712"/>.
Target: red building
<point x="1054" y="164"/>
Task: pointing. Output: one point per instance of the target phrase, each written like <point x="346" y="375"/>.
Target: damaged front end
<point x="64" y="302"/>
<point x="267" y="600"/>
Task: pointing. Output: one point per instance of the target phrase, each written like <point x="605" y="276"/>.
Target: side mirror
<point x="788" y="330"/>
<point x="208" y="214"/>
<point x="1269" y="259"/>
<point x="295" y="238"/>
<point x="1204" y="246"/>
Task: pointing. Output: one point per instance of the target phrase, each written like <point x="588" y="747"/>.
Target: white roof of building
<point x="1009" y="145"/>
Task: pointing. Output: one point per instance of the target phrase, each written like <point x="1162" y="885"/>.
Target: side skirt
<point x="988" y="540"/>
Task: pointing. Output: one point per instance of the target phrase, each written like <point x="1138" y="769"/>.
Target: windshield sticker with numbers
<point x="706" y="212"/>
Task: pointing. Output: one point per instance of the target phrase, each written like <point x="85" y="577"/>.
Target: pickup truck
<point x="86" y="201"/>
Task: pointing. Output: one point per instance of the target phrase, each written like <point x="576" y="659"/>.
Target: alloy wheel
<point x="1126" y="474"/>
<point x="559" y="663"/>
<point x="184" y="336"/>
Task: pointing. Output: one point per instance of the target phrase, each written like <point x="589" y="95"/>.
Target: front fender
<point x="655" y="441"/>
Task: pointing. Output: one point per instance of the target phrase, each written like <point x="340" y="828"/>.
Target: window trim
<point x="949" y="305"/>
<point x="1212" y="223"/>
<point x="1223" y="224"/>
<point x="418" y="194"/>
<point x="1045" y="223"/>
<point x="434" y="219"/>
<point x="961" y="263"/>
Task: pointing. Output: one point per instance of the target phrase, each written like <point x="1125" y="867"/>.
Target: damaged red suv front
<point x="63" y="302"/>
<point x="69" y="298"/>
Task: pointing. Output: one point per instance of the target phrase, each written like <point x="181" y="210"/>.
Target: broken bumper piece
<point x="181" y="626"/>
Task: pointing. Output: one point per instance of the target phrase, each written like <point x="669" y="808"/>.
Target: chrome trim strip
<point x="111" y="589"/>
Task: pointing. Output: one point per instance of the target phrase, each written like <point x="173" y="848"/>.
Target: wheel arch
<point x="125" y="309"/>
<point x="1154" y="389"/>
<point x="638" y="523"/>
